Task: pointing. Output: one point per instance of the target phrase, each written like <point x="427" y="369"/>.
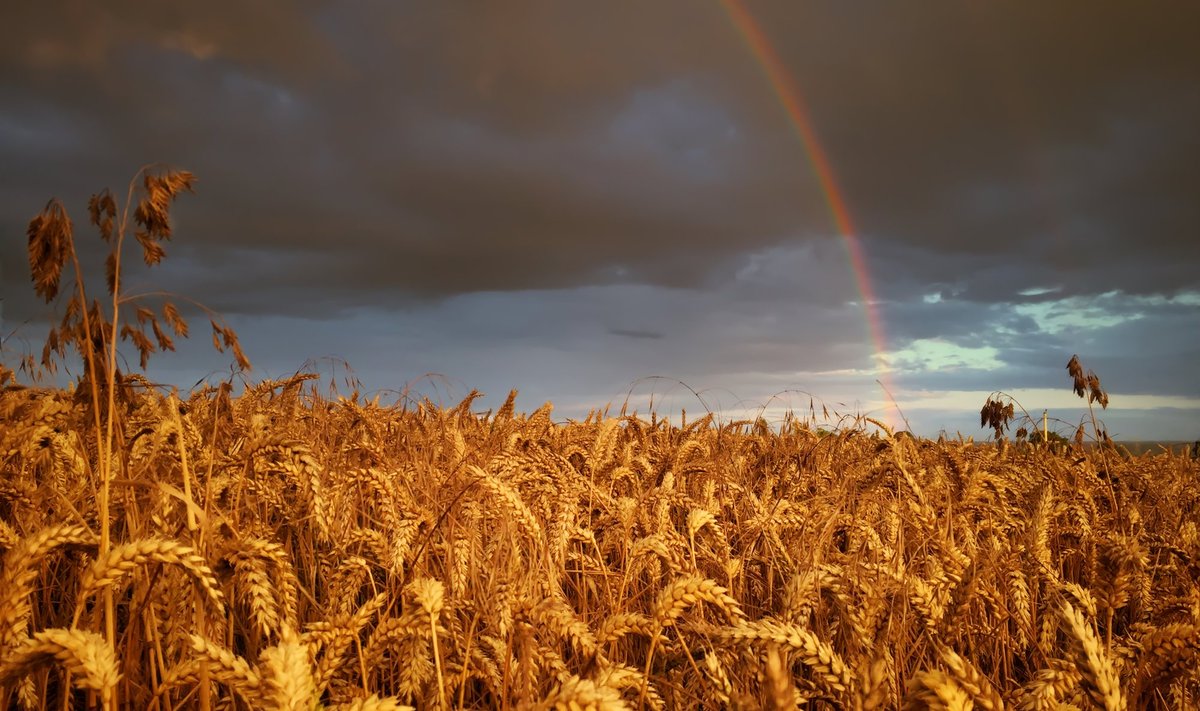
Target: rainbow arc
<point x="788" y="92"/>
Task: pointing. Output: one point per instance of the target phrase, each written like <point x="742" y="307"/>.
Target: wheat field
<point x="286" y="550"/>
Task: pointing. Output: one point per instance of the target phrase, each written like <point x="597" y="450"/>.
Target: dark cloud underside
<point x="443" y="158"/>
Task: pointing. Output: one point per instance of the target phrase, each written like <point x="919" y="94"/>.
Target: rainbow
<point x="793" y="103"/>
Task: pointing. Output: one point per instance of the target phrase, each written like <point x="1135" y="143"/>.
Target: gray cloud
<point x="636" y="334"/>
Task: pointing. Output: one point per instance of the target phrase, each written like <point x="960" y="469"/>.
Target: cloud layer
<point x="568" y="198"/>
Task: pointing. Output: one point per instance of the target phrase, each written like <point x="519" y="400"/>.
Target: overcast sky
<point x="570" y="198"/>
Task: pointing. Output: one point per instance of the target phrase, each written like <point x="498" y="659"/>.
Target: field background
<point x="1156" y="447"/>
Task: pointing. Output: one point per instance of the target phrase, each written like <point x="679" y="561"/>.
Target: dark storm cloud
<point x="1022" y="130"/>
<point x="430" y="150"/>
<point x="568" y="197"/>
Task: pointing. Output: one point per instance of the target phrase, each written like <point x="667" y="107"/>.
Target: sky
<point x="632" y="203"/>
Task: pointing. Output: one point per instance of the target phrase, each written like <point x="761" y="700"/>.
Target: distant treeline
<point x="1156" y="447"/>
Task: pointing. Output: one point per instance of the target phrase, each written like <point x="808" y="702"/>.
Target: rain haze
<point x="894" y="209"/>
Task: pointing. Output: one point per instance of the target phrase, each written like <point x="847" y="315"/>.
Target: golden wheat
<point x="417" y="556"/>
<point x="85" y="655"/>
<point x="1096" y="670"/>
<point x="130" y="556"/>
<point x="21" y="569"/>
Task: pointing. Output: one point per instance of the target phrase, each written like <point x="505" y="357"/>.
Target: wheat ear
<point x="85" y="655"/>
<point x="827" y="666"/>
<point x="21" y="568"/>
<point x="372" y="703"/>
<point x="287" y="674"/>
<point x="577" y="694"/>
<point x="124" y="558"/>
<point x="937" y="691"/>
<point x="969" y="678"/>
<point x="1099" y="676"/>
